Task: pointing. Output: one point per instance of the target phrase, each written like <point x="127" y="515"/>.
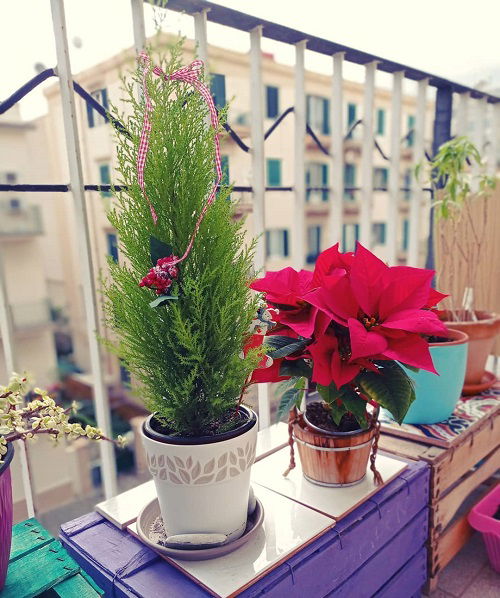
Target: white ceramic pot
<point x="203" y="486"/>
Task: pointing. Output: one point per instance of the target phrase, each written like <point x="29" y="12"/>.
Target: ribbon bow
<point x="189" y="74"/>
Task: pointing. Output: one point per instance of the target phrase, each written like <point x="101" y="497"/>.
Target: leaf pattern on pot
<point x="221" y="475"/>
<point x="209" y="467"/>
<point x="185" y="476"/>
<point x="205" y="479"/>
<point x="197" y="472"/>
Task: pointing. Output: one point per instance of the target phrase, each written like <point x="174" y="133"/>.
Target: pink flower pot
<point x="482" y="519"/>
<point x="6" y="512"/>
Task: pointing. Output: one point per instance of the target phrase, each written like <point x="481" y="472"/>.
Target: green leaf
<point x="296" y="367"/>
<point x="329" y="394"/>
<point x="162" y="300"/>
<point x="391" y="389"/>
<point x="158" y="249"/>
<point x="289" y="399"/>
<point x="412" y="368"/>
<point x="337" y="412"/>
<point x="356" y="405"/>
<point x="281" y="346"/>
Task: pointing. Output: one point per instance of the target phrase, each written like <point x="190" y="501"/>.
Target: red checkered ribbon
<point x="188" y="74"/>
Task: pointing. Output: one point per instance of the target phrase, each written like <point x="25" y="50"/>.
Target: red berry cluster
<point x="161" y="276"/>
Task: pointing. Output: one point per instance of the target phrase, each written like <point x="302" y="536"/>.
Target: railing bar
<point x="417" y="192"/>
<point x="200" y="35"/>
<point x="367" y="156"/>
<point x="7" y="331"/>
<point x="337" y="152"/>
<point x="298" y="248"/>
<point x="138" y="25"/>
<point x="77" y="187"/>
<point x="479" y="136"/>
<point x="394" y="169"/>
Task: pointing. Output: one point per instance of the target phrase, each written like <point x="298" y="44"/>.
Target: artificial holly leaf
<point x="162" y="300"/>
<point x="158" y="249"/>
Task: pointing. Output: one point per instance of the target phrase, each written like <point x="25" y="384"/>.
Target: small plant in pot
<point x="464" y="238"/>
<point x="179" y="302"/>
<point x="346" y="327"/>
<point x="40" y="416"/>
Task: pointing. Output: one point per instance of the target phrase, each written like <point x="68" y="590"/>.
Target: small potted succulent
<point x="40" y="416"/>
<point x="347" y="328"/>
<point x="179" y="302"/>
<point x="462" y="209"/>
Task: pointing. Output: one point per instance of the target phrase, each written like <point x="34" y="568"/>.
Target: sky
<point x="452" y="38"/>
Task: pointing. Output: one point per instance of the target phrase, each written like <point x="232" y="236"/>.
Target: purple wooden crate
<point x="369" y="545"/>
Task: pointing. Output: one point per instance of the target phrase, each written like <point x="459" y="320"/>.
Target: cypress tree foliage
<point x="186" y="354"/>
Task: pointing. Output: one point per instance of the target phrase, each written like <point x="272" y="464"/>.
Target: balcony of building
<point x="19" y="220"/>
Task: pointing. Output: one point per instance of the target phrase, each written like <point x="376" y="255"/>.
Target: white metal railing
<point x="201" y="13"/>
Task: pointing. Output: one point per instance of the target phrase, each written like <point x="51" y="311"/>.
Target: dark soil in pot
<point x="319" y="416"/>
<point x="233" y="423"/>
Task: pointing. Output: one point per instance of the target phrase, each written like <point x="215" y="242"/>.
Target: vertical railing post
<point x="441" y="134"/>
<point x="417" y="193"/>
<point x="7" y="332"/>
<point x="298" y="246"/>
<point x="77" y="188"/>
<point x="258" y="184"/>
<point x="337" y="152"/>
<point x="395" y="170"/>
<point x="462" y="115"/>
<point x="200" y="35"/>
<point x="493" y="138"/>
<point x="138" y="25"/>
<point x="480" y="112"/>
<point x="367" y="156"/>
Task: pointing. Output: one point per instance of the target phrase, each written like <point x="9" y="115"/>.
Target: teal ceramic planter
<point x="437" y="395"/>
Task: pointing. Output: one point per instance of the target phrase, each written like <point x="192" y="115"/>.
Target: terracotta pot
<point x="332" y="459"/>
<point x="6" y="511"/>
<point x="481" y="338"/>
<point x="203" y="483"/>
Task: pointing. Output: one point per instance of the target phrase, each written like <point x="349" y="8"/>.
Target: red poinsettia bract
<point x="354" y="310"/>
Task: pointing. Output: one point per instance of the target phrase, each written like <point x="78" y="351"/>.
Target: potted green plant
<point x="346" y="328"/>
<point x="462" y="204"/>
<point x="40" y="416"/>
<point x="181" y="323"/>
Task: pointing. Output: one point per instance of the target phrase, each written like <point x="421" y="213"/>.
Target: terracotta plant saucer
<point x="487" y="382"/>
<point x="149" y="521"/>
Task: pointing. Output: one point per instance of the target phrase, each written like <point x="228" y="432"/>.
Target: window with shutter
<point x="349" y="181"/>
<point x="378" y="233"/>
<point x="273" y="172"/>
<point x="351" y="116"/>
<point x="318" y="114"/>
<point x="406" y="233"/>
<point x="272" y="101"/>
<point x="313" y="243"/>
<point x="277" y="243"/>
<point x="94" y="119"/>
<point x="218" y="89"/>
<point x="380" y="177"/>
<point x="104" y="178"/>
<point x="411" y="132"/>
<point x="112" y="243"/>
<point x="380" y="121"/>
<point x="350" y="235"/>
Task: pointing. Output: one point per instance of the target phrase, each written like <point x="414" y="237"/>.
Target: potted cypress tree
<point x="181" y="323"/>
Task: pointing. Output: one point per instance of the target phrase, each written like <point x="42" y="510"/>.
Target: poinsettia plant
<point x="349" y="327"/>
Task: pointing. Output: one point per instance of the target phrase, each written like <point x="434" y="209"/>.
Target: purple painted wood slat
<point x="6" y="514"/>
<point x="413" y="574"/>
<point x="114" y="558"/>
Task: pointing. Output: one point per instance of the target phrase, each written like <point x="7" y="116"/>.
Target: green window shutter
<point x="406" y="231"/>
<point x="349" y="180"/>
<point x="225" y="170"/>
<point x="268" y="243"/>
<point x="218" y="89"/>
<point x="380" y="121"/>
<point x="273" y="172"/>
<point x="308" y="109"/>
<point x="105" y="179"/>
<point x="90" y="116"/>
<point x="285" y="243"/>
<point x="272" y="101"/>
<point x="351" y="114"/>
<point x="324" y="181"/>
<point x="411" y="132"/>
<point x="326" y="116"/>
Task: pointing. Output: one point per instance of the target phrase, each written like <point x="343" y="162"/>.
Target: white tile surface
<point x="287" y="527"/>
<point x="334" y="502"/>
<point x="121" y="510"/>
